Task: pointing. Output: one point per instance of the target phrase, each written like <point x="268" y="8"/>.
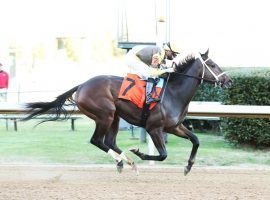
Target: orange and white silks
<point x="133" y="89"/>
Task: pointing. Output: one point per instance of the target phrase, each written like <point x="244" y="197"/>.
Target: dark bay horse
<point x="98" y="99"/>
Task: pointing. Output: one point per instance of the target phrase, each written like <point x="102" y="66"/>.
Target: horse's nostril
<point x="229" y="84"/>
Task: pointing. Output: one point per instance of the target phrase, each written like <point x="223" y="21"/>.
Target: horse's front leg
<point x="183" y="132"/>
<point x="158" y="140"/>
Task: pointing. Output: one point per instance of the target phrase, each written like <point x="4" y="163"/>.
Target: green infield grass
<point x="55" y="143"/>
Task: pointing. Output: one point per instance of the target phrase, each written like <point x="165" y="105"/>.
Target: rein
<point x="205" y="66"/>
<point x="201" y="79"/>
<point x="216" y="81"/>
<point x="196" y="77"/>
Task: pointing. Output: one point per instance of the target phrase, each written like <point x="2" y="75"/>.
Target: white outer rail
<point x="207" y="109"/>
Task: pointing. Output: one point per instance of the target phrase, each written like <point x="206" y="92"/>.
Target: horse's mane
<point x="182" y="63"/>
<point x="184" y="60"/>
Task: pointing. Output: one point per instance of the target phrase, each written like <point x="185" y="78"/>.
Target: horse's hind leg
<point x="110" y="137"/>
<point x="110" y="141"/>
<point x="100" y="107"/>
<point x="97" y="139"/>
<point x="98" y="136"/>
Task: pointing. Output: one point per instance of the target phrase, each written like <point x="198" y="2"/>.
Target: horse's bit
<point x="217" y="82"/>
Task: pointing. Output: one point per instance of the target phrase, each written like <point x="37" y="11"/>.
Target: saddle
<point x="133" y="89"/>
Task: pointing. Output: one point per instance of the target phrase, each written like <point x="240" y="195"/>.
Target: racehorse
<point x="98" y="99"/>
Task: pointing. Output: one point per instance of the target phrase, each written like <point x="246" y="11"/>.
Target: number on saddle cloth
<point x="133" y="89"/>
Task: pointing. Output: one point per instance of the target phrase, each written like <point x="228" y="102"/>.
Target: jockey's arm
<point x="136" y="66"/>
<point x="157" y="72"/>
<point x="158" y="67"/>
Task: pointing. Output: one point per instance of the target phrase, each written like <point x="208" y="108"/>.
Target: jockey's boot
<point x="149" y="88"/>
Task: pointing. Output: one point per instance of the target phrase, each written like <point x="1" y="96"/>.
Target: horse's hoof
<point x="134" y="150"/>
<point x="119" y="169"/>
<point x="120" y="166"/>
<point x="186" y="170"/>
<point x="135" y="168"/>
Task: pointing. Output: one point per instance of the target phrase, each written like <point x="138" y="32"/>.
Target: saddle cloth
<point x="133" y="89"/>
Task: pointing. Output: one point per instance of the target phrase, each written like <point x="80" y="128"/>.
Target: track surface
<point x="103" y="182"/>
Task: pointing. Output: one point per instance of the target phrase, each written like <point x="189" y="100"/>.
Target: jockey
<point x="148" y="62"/>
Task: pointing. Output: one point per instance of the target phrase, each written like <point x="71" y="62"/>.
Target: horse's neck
<point x="185" y="88"/>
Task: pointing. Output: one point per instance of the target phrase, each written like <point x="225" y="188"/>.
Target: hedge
<point x="251" y="86"/>
<point x="207" y="92"/>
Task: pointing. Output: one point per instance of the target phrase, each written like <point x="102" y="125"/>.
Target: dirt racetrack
<point x="103" y="182"/>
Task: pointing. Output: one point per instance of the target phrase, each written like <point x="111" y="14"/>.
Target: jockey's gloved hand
<point x="163" y="66"/>
<point x="169" y="70"/>
<point x="168" y="63"/>
<point x="155" y="72"/>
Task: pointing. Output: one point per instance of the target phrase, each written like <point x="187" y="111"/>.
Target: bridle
<point x="216" y="80"/>
<point x="205" y="66"/>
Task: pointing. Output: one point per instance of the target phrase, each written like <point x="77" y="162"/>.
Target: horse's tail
<point x="54" y="108"/>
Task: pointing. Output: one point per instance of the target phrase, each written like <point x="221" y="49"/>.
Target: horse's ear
<point x="205" y="55"/>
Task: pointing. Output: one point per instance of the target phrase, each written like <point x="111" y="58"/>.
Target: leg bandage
<point x="115" y="155"/>
<point x="124" y="157"/>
